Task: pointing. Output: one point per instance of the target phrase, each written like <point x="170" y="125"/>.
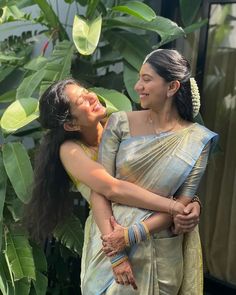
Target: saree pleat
<point x="165" y="264"/>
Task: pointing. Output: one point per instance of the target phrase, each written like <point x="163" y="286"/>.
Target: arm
<point x="94" y="175"/>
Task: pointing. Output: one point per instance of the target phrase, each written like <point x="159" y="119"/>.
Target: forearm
<point x="158" y="222"/>
<point x="102" y="212"/>
<point x="132" y="195"/>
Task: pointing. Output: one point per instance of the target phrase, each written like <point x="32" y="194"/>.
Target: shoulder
<point x="70" y="147"/>
<point x="204" y="133"/>
<point x="116" y="119"/>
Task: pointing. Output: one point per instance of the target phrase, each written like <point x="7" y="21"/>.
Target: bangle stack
<point x="136" y="233"/>
<point x="118" y="258"/>
<point x="196" y="199"/>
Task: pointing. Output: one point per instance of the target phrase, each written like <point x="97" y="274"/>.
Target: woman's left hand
<point x="186" y="222"/>
<point x="115" y="241"/>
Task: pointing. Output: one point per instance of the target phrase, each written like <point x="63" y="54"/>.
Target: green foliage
<point x="189" y="10"/>
<point x="70" y="233"/>
<point x="19" y="169"/>
<point x="19" y="255"/>
<point x="86" y="34"/>
<point x="109" y="42"/>
<point x="137" y="9"/>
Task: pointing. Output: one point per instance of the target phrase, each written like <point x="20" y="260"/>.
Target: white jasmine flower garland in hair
<point x="196" y="101"/>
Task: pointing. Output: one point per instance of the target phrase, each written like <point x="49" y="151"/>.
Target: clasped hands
<point x="114" y="242"/>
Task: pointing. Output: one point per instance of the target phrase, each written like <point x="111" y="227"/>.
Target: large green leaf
<point x="8" y="96"/>
<point x="29" y="84"/>
<point x="19" y="169"/>
<point x="189" y="10"/>
<point x="138" y="9"/>
<point x="40" y="284"/>
<point x="6" y="281"/>
<point x="130" y="79"/>
<point x="36" y="64"/>
<point x="22" y="286"/>
<point x="58" y="65"/>
<point x="52" y="18"/>
<point x="20" y="113"/>
<point x="70" y="233"/>
<point x="6" y="70"/>
<point x="3" y="187"/>
<point x="114" y="100"/>
<point x="19" y="255"/>
<point x="164" y="27"/>
<point x="86" y="34"/>
<point x="132" y="48"/>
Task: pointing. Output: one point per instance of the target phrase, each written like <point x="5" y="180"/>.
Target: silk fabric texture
<point x="166" y="264"/>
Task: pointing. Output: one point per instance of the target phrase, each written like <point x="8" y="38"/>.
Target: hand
<point x="177" y="208"/>
<point x="115" y="241"/>
<point x="186" y="222"/>
<point x="124" y="275"/>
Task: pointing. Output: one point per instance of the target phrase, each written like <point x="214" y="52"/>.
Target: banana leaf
<point x="19" y="169"/>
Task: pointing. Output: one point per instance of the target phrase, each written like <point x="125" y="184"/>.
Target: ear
<point x="70" y="126"/>
<point x="173" y="88"/>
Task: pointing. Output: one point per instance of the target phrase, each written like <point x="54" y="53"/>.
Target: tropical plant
<point x="108" y="44"/>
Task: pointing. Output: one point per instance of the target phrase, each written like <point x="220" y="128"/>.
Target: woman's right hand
<point x="124" y="275"/>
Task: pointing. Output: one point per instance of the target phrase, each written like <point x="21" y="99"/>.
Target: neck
<point x="92" y="135"/>
<point x="164" y="120"/>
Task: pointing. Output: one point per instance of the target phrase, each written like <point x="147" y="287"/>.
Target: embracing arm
<point x="94" y="175"/>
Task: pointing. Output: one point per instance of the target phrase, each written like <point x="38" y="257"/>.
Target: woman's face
<point x="152" y="88"/>
<point x="84" y="105"/>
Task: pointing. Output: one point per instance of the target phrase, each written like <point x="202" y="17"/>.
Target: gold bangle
<point x="146" y="229"/>
<point x="126" y="236"/>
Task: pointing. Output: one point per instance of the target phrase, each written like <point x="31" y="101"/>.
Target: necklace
<point x="158" y="131"/>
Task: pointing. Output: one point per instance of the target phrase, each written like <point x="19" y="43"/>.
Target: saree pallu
<point x="165" y="264"/>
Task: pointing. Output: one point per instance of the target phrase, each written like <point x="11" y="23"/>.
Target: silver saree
<point x="166" y="264"/>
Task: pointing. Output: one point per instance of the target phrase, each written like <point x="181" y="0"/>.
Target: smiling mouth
<point x="97" y="107"/>
<point x="143" y="95"/>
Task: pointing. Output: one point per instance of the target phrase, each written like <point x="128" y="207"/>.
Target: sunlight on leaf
<point x="20" y="113"/>
<point x="86" y="34"/>
<point x="138" y="9"/>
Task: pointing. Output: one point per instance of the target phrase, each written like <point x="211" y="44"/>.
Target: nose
<point x="138" y="86"/>
<point x="91" y="97"/>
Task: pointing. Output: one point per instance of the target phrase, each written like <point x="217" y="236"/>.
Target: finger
<point x="112" y="221"/>
<point x="125" y="279"/>
<point x="132" y="280"/>
<point x="191" y="216"/>
<point x="121" y="282"/>
<point x="107" y="250"/>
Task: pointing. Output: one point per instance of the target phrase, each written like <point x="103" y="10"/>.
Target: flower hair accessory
<point x="196" y="101"/>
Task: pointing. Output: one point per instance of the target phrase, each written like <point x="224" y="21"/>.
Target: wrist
<point x="118" y="258"/>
